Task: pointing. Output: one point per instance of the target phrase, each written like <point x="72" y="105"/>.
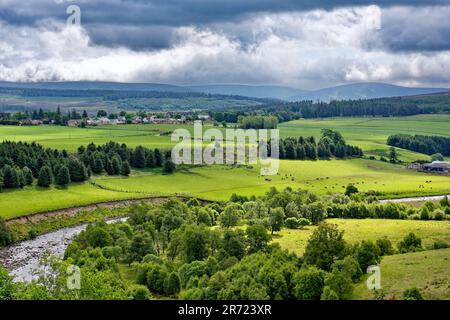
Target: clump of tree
<point x="331" y="144"/>
<point x="22" y="163"/>
<point x="431" y="145"/>
<point x="258" y="122"/>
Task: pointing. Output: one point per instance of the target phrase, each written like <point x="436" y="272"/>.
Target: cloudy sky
<point x="305" y="44"/>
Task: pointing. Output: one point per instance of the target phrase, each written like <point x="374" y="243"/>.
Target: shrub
<point x="329" y="294"/>
<point x="172" y="285"/>
<point x="350" y="267"/>
<point x="412" y="294"/>
<point x="156" y="277"/>
<point x="367" y="254"/>
<point x="6" y="237"/>
<point x="385" y="246"/>
<point x="139" y="292"/>
<point x="440" y="245"/>
<point x="438" y="214"/>
<point x="291" y="223"/>
<point x="410" y="243"/>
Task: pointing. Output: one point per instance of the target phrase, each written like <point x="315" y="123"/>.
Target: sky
<point x="303" y="44"/>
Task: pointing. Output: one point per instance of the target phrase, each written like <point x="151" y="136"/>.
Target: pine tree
<point x="138" y="158"/>
<point x="109" y="168"/>
<point x="77" y="171"/>
<point x="45" y="177"/>
<point x="125" y="170"/>
<point x="28" y="176"/>
<point x="150" y="161"/>
<point x="158" y="158"/>
<point x="10" y="180"/>
<point x="63" y="176"/>
<point x="97" y="166"/>
<point x="169" y="166"/>
<point x="116" y="165"/>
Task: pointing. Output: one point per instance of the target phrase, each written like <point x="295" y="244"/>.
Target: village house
<point x="437" y="166"/>
<point x="74" y="123"/>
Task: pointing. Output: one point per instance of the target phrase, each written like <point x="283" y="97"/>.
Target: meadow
<point x="356" y="230"/>
<point x="33" y="200"/>
<point x="427" y="270"/>
<point x="320" y="177"/>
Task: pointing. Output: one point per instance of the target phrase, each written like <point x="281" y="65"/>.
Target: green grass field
<point x="220" y="182"/>
<point x="427" y="270"/>
<point x="369" y="229"/>
<point x="35" y="200"/>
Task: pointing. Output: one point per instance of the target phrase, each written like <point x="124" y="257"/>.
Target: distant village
<point x="75" y="119"/>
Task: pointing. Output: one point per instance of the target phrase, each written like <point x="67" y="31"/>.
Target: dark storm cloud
<point x="144" y="24"/>
<point x="407" y="29"/>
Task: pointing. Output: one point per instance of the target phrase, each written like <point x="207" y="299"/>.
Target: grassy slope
<point x="370" y="229"/>
<point x="427" y="270"/>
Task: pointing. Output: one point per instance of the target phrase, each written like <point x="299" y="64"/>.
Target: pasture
<point x="33" y="200"/>
<point x="369" y="229"/>
<point x="321" y="177"/>
<point x="427" y="270"/>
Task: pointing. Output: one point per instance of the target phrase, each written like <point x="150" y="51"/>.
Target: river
<point x="22" y="258"/>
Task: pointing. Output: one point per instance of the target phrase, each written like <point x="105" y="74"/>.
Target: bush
<point x="296" y="223"/>
<point x="139" y="292"/>
<point x="385" y="246"/>
<point x="367" y="254"/>
<point x="6" y="237"/>
<point x="438" y="214"/>
<point x="172" y="286"/>
<point x="350" y="267"/>
<point x="440" y="245"/>
<point x="329" y="294"/>
<point x="156" y="278"/>
<point x="412" y="294"/>
<point x="410" y="243"/>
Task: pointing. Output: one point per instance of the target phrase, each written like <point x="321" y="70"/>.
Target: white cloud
<point x="311" y="49"/>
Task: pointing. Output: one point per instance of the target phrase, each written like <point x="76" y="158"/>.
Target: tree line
<point x="424" y="144"/>
<point x="380" y="107"/>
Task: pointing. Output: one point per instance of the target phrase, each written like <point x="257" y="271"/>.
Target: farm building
<point x="437" y="166"/>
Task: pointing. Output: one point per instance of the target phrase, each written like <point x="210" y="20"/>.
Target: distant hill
<point x="273" y="92"/>
<point x="94" y="85"/>
<point x="363" y="91"/>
